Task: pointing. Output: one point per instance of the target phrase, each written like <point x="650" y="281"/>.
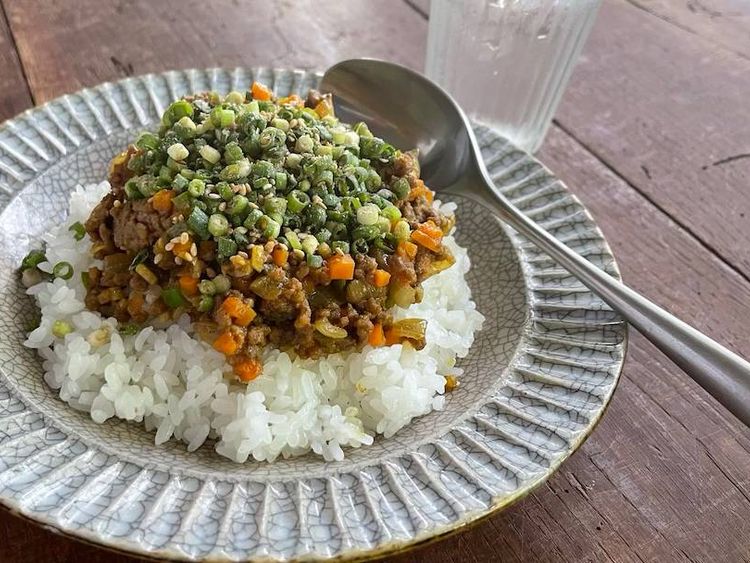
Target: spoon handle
<point x="722" y="373"/>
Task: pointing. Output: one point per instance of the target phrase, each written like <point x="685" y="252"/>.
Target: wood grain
<point x="64" y="49"/>
<point x="664" y="477"/>
<point x="725" y="22"/>
<point x="667" y="110"/>
<point x="14" y="94"/>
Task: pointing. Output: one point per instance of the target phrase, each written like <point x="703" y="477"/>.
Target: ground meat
<point x="99" y="216"/>
<point x="136" y="225"/>
<point x="406" y="164"/>
<point x="286" y="307"/>
<point x="364" y="267"/>
<point x="402" y="269"/>
<point x="314" y="98"/>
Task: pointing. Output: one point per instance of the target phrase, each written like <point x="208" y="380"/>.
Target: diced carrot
<point x="280" y="255"/>
<point x="188" y="285"/>
<point x="408" y="249"/>
<point x="161" y="201"/>
<point x="260" y="91"/>
<point x="226" y="344"/>
<point x="431" y="229"/>
<point x="240" y="312"/>
<point x="182" y="247"/>
<point x="341" y="267"/>
<point x="324" y="107"/>
<point x="421" y="190"/>
<point x="293" y="100"/>
<point x="423" y="239"/>
<point x="247" y="370"/>
<point x="391" y="336"/>
<point x="381" y="278"/>
<point x="377" y="336"/>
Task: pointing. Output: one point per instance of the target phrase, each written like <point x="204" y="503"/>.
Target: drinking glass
<point x="507" y="62"/>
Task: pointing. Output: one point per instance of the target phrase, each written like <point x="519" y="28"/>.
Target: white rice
<point x="175" y="384"/>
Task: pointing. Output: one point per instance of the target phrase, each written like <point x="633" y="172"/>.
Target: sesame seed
<point x="193" y="249"/>
<point x="184" y="237"/>
<point x="169" y="246"/>
<point x="116" y="203"/>
<point x="158" y="258"/>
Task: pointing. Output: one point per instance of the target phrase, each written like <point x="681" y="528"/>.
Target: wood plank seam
<point x="17" y="53"/>
<point x="417" y="9"/>
<point x="640" y="6"/>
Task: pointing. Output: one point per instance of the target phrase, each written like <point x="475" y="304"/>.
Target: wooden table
<point x="654" y="136"/>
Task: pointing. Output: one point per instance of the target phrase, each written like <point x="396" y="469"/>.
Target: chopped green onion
<point x="252" y="218"/>
<point x="207" y="287"/>
<point x="401" y="230"/>
<point x="182" y="202"/>
<point x="238" y="205"/>
<point x="391" y="213"/>
<point x="233" y="153"/>
<point x="209" y="154"/>
<point x="147" y="141"/>
<point x="172" y="297"/>
<point x="309" y="244"/>
<point x="63" y="270"/>
<point x="293" y="239"/>
<point x="178" y="151"/>
<point x="138" y="258"/>
<point x="176" y="111"/>
<point x="275" y="205"/>
<point x="315" y="216"/>
<point x="234" y="97"/>
<point x="222" y="283"/>
<point x="180" y="182"/>
<point x="198" y="222"/>
<point x="226" y="248"/>
<point x="270" y="228"/>
<point x="221" y="117"/>
<point x="314" y="260"/>
<point x="86" y="279"/>
<point x="304" y="144"/>
<point x="224" y="190"/>
<point x="185" y="128"/>
<point x="401" y="188"/>
<point x="262" y="169"/>
<point x="205" y="304"/>
<point x="360" y="246"/>
<point x="235" y="171"/>
<point x="366" y="232"/>
<point x="341" y="245"/>
<point x="384" y="225"/>
<point x="368" y="214"/>
<point x="33" y="259"/>
<point x="130" y="329"/>
<point x="196" y="187"/>
<point x="297" y="201"/>
<point x="218" y="225"/>
<point x="61" y="328"/>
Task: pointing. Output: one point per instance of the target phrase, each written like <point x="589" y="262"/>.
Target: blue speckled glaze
<point x="537" y="379"/>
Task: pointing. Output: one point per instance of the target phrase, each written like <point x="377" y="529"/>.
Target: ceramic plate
<point x="538" y="377"/>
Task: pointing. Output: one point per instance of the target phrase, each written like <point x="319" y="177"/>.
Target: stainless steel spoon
<point x="408" y="110"/>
